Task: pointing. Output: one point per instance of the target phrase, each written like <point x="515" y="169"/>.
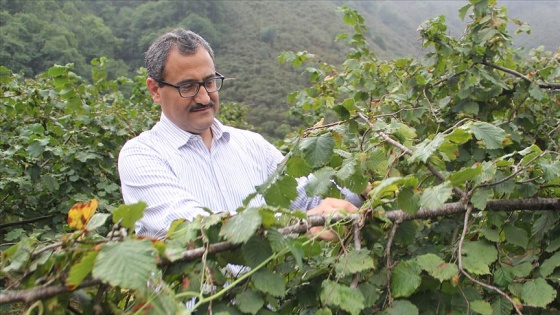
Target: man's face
<point x="195" y="114"/>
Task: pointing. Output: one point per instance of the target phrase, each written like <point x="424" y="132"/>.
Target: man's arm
<point x="146" y="176"/>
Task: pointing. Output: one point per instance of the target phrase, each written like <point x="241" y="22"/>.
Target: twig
<point x="514" y="173"/>
<point x="41" y="218"/>
<point x="544" y="85"/>
<point x="460" y="263"/>
<point x="388" y="262"/>
<point x="357" y="246"/>
<point x="406" y="150"/>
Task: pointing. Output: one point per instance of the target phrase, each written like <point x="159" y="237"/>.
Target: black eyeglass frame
<point x="199" y="84"/>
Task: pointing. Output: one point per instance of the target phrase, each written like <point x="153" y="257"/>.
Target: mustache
<point x="199" y="106"/>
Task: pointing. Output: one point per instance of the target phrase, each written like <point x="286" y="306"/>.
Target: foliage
<point x="461" y="147"/>
<point x="61" y="138"/>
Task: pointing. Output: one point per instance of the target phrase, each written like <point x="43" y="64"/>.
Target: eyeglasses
<point x="190" y="89"/>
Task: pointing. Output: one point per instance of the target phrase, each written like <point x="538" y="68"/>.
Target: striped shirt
<point x="175" y="174"/>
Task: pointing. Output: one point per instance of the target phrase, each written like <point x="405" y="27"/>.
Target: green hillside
<point x="248" y="37"/>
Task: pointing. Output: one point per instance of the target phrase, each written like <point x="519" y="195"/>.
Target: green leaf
<point x="553" y="245"/>
<point x="19" y="254"/>
<point x="503" y="276"/>
<point x="97" y="220"/>
<point x="268" y="282"/>
<point x="458" y="136"/>
<point x="127" y="215"/>
<point x="449" y="151"/>
<point x="463" y="11"/>
<point x="320" y="183"/>
<point x="436" y="267"/>
<point x="537" y="92"/>
<point x="493" y="235"/>
<point x="548" y="266"/>
<point x="545" y="222"/>
<point x="183" y="231"/>
<point x="434" y="197"/>
<point x="502" y="306"/>
<point x="407" y="201"/>
<point x="400" y="307"/>
<point x="353" y="262"/>
<point x="351" y="176"/>
<point x="405" y="278"/>
<point x="426" y="148"/>
<point x="318" y="150"/>
<point x="551" y="171"/>
<point x="255" y="251"/>
<point x="538" y="293"/>
<point x="57" y="71"/>
<point x="461" y="177"/>
<point x="522" y="270"/>
<point x="370" y="292"/>
<point x="391" y="185"/>
<point x="297" y="252"/>
<point x="336" y="294"/>
<point x="376" y="160"/>
<point x="297" y="167"/>
<point x="281" y="192"/>
<point x="242" y="226"/>
<point x="36" y="148"/>
<point x="479" y="256"/>
<point x="50" y="182"/>
<point x="480" y="198"/>
<point x="79" y="271"/>
<point x="481" y="307"/>
<point x="323" y="311"/>
<point x="406" y="233"/>
<point x="488" y="172"/>
<point x="277" y="240"/>
<point x="516" y="236"/>
<point x="490" y="135"/>
<point x="249" y="302"/>
<point x="128" y="264"/>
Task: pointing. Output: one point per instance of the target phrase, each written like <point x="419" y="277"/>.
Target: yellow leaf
<point x="80" y="213"/>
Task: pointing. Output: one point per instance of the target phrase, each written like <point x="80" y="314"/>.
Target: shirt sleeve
<point x="146" y="176"/>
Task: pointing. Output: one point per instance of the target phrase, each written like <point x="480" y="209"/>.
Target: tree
<point x="461" y="147"/>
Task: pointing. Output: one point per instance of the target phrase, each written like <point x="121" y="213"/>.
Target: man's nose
<point x="202" y="97"/>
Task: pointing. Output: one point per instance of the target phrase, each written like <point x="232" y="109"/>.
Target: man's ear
<point x="154" y="89"/>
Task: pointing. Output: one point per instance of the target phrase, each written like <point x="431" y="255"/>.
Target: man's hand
<point x="326" y="208"/>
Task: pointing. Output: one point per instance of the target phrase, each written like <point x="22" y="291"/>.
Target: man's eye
<point x="187" y="87"/>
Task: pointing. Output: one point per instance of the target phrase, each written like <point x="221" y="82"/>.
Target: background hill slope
<point x="248" y="37"/>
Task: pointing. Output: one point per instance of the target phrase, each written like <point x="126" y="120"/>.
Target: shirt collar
<point x="178" y="137"/>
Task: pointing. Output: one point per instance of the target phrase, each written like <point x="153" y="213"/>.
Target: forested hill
<point x="248" y="37"/>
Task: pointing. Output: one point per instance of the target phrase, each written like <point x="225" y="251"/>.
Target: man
<point x="189" y="161"/>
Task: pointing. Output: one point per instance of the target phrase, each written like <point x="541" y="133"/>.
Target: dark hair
<point x="187" y="42"/>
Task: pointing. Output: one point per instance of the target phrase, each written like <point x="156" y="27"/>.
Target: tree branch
<point x="45" y="217"/>
<point x="30" y="295"/>
<point x="544" y="85"/>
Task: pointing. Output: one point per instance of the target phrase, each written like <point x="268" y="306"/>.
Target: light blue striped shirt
<point x="177" y="176"/>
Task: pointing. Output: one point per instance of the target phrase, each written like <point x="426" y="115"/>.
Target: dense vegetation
<point x="248" y="37"/>
<point x="461" y="145"/>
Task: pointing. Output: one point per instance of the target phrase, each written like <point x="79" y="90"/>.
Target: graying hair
<point x="187" y="42"/>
